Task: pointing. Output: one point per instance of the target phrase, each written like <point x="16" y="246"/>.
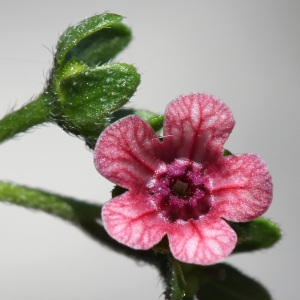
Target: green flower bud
<point x="87" y="98"/>
<point x="86" y="88"/>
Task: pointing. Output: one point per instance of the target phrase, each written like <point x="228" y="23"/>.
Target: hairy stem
<point x="68" y="209"/>
<point x="34" y="113"/>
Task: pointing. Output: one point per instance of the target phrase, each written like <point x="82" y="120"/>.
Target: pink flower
<point x="182" y="186"/>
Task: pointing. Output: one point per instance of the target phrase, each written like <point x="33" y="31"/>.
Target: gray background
<point x="244" y="52"/>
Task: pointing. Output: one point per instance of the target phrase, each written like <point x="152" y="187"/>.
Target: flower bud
<point x="86" y="88"/>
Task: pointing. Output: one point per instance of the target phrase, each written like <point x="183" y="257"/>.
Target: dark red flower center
<point x="181" y="188"/>
<point x="180" y="191"/>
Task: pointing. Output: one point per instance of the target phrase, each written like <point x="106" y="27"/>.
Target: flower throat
<point x="179" y="192"/>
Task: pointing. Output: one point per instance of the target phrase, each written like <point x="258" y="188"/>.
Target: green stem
<point x="34" y="113"/>
<point x="66" y="208"/>
<point x="177" y="280"/>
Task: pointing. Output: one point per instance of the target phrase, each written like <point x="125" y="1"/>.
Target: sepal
<point x="258" y="234"/>
<point x="86" y="99"/>
<point x="94" y="40"/>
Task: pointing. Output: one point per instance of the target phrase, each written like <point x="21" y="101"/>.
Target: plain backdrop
<point x="244" y="52"/>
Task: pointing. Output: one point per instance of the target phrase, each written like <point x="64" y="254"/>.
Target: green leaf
<point x="226" y="152"/>
<point x="255" y="235"/>
<point x="124" y="112"/>
<point x="101" y="46"/>
<point x="86" y="99"/>
<point x="220" y="281"/>
<point x="75" y="34"/>
<point x="225" y="282"/>
<point x="155" y="120"/>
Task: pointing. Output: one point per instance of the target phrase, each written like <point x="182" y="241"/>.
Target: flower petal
<point x="132" y="221"/>
<point x="125" y="152"/>
<point x="203" y="242"/>
<point x="242" y="187"/>
<point x="196" y="127"/>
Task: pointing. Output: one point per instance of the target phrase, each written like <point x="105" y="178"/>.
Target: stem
<point x="34" y="113"/>
<point x="177" y="281"/>
<point x="66" y="208"/>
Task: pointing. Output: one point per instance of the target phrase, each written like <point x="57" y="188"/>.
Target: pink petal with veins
<point x="132" y="221"/>
<point x="196" y="127"/>
<point x="242" y="187"/>
<point x="202" y="242"/>
<point x="125" y="152"/>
